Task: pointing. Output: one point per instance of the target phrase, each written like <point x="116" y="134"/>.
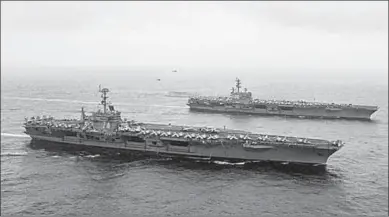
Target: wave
<point x="145" y="94"/>
<point x="163" y="106"/>
<point x="91" y="156"/>
<point x="50" y="100"/>
<point x="15" y="135"/>
<point x="179" y="94"/>
<point x="227" y="163"/>
<point x="173" y="113"/>
<point x="86" y="102"/>
<point x="11" y="109"/>
<point x="13" y="154"/>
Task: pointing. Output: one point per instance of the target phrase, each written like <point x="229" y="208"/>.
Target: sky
<point x="322" y="36"/>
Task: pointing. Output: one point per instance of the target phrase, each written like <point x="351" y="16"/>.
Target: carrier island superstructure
<point x="243" y="102"/>
<point x="105" y="129"/>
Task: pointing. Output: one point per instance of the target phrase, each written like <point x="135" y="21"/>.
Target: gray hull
<point x="231" y="151"/>
<point x="362" y="113"/>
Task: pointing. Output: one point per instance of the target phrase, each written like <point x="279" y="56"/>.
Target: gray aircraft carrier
<point x="243" y="102"/>
<point x="107" y="130"/>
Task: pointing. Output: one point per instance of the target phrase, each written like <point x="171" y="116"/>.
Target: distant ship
<point x="243" y="102"/>
<point x="106" y="130"/>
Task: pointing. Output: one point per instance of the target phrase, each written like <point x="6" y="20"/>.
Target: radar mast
<point x="104" y="97"/>
<point x="238" y="84"/>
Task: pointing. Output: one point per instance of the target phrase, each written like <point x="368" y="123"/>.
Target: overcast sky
<point x="314" y="35"/>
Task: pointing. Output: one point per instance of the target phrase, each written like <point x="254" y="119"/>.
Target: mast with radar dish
<point x="104" y="96"/>
<point x="238" y="84"/>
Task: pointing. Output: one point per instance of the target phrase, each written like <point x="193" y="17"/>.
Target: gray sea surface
<point x="41" y="182"/>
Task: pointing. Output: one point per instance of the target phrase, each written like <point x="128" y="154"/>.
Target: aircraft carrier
<point x="243" y="102"/>
<point x="105" y="129"/>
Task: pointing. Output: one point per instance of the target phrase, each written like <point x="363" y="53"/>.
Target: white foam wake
<point x="227" y="163"/>
<point x="14" y="135"/>
<point x="92" y="156"/>
<point x="13" y="154"/>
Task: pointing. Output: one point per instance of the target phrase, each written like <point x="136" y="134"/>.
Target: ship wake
<point x="13" y="154"/>
<point x="14" y="135"/>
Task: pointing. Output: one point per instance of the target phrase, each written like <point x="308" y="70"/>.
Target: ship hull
<point x="228" y="152"/>
<point x="305" y="112"/>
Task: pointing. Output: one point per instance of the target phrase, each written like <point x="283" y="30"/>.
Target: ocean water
<point x="42" y="182"/>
